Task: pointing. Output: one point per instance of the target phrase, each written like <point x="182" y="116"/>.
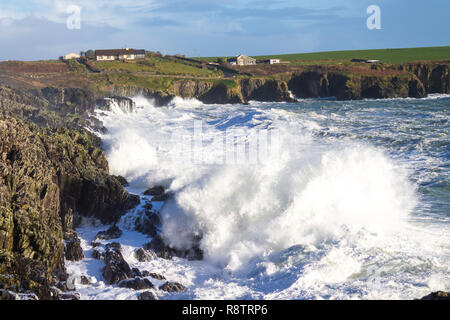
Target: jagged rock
<point x="136" y="272"/>
<point x="155" y="191"/>
<point x="73" y="250"/>
<point x="147" y="296"/>
<point x="113" y="232"/>
<point x="165" y="251"/>
<point x="148" y="223"/>
<point x="143" y="255"/>
<point x="439" y="295"/>
<point x="172" y="287"/>
<point x="122" y="180"/>
<point x="8" y="295"/>
<point x="136" y="284"/>
<point x="157" y="276"/>
<point x="116" y="268"/>
<point x="98" y="254"/>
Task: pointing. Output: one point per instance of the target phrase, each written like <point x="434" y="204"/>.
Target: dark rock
<point x="136" y="284"/>
<point x="148" y="206"/>
<point x="147" y="296"/>
<point x="85" y="280"/>
<point x="98" y="254"/>
<point x="136" y="272"/>
<point x="122" y="180"/>
<point x="436" y="296"/>
<point x="95" y="244"/>
<point x="165" y="251"/>
<point x="157" y="276"/>
<point x="148" y="223"/>
<point x="143" y="255"/>
<point x="155" y="191"/>
<point x="161" y="198"/>
<point x="116" y="268"/>
<point x="112" y="233"/>
<point x="73" y="250"/>
<point x="172" y="287"/>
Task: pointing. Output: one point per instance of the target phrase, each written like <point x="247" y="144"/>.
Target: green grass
<point x="157" y="65"/>
<point x="385" y="55"/>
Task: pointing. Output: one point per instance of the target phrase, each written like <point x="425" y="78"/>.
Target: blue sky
<point x="37" y="29"/>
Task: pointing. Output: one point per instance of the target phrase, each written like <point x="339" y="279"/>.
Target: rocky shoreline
<point x="53" y="173"/>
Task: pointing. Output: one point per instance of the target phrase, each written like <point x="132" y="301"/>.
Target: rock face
<point x="127" y="105"/>
<point x="52" y="172"/>
<point x="162" y="250"/>
<point x="116" y="268"/>
<point x="73" y="250"/>
<point x="436" y="296"/>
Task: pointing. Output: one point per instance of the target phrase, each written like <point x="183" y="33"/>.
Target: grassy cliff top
<point x="393" y="56"/>
<point x="160" y="73"/>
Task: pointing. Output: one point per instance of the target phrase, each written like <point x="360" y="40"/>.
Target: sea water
<point x="334" y="200"/>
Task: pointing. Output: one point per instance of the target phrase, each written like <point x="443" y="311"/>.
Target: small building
<point x="242" y="60"/>
<point x="72" y="55"/>
<point x="139" y="54"/>
<point x="118" y="54"/>
<point x="274" y="61"/>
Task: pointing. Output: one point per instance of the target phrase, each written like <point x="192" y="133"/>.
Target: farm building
<point x="242" y="60"/>
<point x="119" y="54"/>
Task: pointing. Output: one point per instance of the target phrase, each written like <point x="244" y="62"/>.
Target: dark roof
<point x="139" y="51"/>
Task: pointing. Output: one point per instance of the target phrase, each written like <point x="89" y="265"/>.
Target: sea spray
<point x="305" y="192"/>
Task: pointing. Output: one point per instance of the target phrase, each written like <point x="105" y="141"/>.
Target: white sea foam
<point x="317" y="218"/>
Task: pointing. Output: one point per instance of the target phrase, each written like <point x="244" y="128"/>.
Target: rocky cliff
<point x="52" y="173"/>
<point x="400" y="81"/>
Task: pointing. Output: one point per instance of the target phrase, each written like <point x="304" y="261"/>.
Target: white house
<point x="71" y="55"/>
<point x="274" y="61"/>
<point x="119" y="54"/>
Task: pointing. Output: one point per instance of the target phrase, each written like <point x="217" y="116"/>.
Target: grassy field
<point x="157" y="65"/>
<point x="393" y="56"/>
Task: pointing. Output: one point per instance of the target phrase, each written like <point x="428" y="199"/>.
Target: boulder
<point x="148" y="223"/>
<point x="157" y="276"/>
<point x="172" y="287"/>
<point x="147" y="296"/>
<point x="136" y="284"/>
<point x="116" y="268"/>
<point x="155" y="191"/>
<point x="143" y="255"/>
<point x="112" y="233"/>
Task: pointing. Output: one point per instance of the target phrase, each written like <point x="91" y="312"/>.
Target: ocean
<point x="318" y="199"/>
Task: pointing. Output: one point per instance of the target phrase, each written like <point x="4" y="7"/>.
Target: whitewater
<point x="318" y="199"/>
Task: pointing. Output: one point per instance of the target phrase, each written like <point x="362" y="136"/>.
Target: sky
<point x="47" y="29"/>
